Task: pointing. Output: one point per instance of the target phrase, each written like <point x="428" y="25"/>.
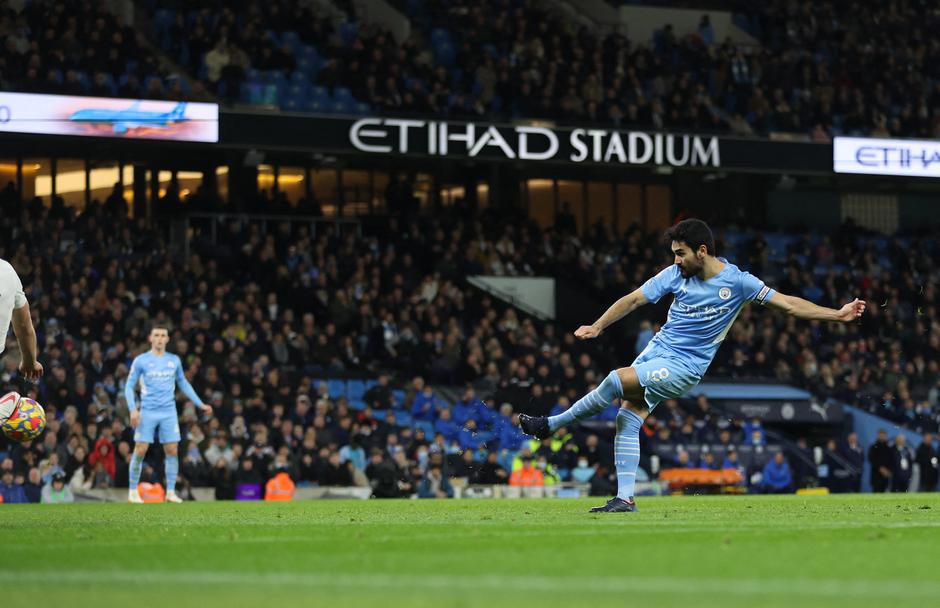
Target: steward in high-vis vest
<point x="279" y="487"/>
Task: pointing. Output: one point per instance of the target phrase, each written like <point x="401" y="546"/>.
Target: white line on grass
<point x="503" y="583"/>
<point x="371" y="533"/>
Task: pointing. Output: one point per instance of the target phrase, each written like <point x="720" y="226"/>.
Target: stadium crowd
<point x="259" y="317"/>
<point x="500" y="60"/>
<point x="80" y="48"/>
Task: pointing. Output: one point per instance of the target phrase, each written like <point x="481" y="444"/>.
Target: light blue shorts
<point x="166" y="422"/>
<point x="663" y="376"/>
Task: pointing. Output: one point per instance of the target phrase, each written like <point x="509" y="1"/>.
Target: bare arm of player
<point x="617" y="311"/>
<point x="804" y="309"/>
<point x="26" y="338"/>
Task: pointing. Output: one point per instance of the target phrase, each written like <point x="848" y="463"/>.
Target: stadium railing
<point x="215" y="219"/>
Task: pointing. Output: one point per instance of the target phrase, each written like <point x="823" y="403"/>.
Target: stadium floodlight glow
<point x="106" y="117"/>
<point x="870" y="156"/>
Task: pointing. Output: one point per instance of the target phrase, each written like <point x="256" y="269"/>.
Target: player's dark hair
<point x="693" y="233"/>
<point x="162" y="326"/>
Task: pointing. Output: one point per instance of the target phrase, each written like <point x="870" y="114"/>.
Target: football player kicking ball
<point x="708" y="295"/>
<point x="158" y="372"/>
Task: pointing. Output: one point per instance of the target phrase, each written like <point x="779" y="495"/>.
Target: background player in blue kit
<point x="709" y="293"/>
<point x="158" y="372"/>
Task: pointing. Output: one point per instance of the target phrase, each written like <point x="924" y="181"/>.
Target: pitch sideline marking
<point x="528" y="584"/>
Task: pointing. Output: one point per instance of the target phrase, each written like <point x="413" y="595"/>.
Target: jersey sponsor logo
<point x="724" y="293"/>
<point x="657" y="375"/>
<point x="156" y="374"/>
<point x="706" y="312"/>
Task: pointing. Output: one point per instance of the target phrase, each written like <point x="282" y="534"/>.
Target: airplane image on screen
<point x="122" y="121"/>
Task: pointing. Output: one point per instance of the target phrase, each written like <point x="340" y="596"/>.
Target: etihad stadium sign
<point x="533" y="143"/>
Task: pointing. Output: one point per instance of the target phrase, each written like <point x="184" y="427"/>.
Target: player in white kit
<point x="14" y="309"/>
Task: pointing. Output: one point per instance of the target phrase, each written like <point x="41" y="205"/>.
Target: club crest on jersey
<point x="724" y="293"/>
<point x="171" y="364"/>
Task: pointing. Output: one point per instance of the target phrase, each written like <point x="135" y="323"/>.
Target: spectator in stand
<point x="383" y="476"/>
<point x="583" y="472"/>
<point x="777" y="478"/>
<point x="881" y="459"/>
<point x="56" y="492"/>
<point x="334" y="472"/>
<point x="33" y="486"/>
<point x="227" y="348"/>
<point x="903" y="464"/>
<point x="10" y="491"/>
<point x="492" y="473"/>
<point x="854" y="454"/>
<point x="928" y="459"/>
<point x="435" y="485"/>
<point x="527" y="475"/>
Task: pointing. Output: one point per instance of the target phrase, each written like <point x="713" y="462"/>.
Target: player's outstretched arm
<point x="804" y="309"/>
<point x="617" y="311"/>
<point x="26" y="338"/>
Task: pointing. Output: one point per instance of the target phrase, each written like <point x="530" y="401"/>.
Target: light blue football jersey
<point x="158" y="376"/>
<point x="702" y="312"/>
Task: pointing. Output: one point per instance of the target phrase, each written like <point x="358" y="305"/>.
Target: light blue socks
<point x="591" y="404"/>
<point x="172" y="470"/>
<point x="137" y="463"/>
<point x="627" y="452"/>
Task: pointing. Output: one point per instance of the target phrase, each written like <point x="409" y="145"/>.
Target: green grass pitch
<point x="685" y="551"/>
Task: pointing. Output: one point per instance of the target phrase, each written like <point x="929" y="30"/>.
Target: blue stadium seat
<point x="343" y="94"/>
<point x="444" y="53"/>
<point x="293" y="41"/>
<point x="357" y="404"/>
<point x="292" y="104"/>
<point x="304" y="69"/>
<point x="363" y="109"/>
<point x="83" y="80"/>
<point x="348" y="31"/>
<point x="341" y="107"/>
<point x="403" y="418"/>
<point x="427" y="427"/>
<point x="310" y="54"/>
<point x="316" y="105"/>
<point x="271" y="93"/>
<point x="337" y="388"/>
<point x="355" y="389"/>
<point x="398" y="397"/>
<point x="275" y="77"/>
<point x="250" y="92"/>
<point x="485" y="436"/>
<point x="439" y="35"/>
<point x="299" y="78"/>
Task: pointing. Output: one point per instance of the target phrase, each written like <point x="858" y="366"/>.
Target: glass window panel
<point x="542" y="201"/>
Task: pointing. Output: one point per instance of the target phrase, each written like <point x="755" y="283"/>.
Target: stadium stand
<point x="308" y="343"/>
<point x="293" y="341"/>
<point x="541" y="66"/>
<point x="80" y="48"/>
